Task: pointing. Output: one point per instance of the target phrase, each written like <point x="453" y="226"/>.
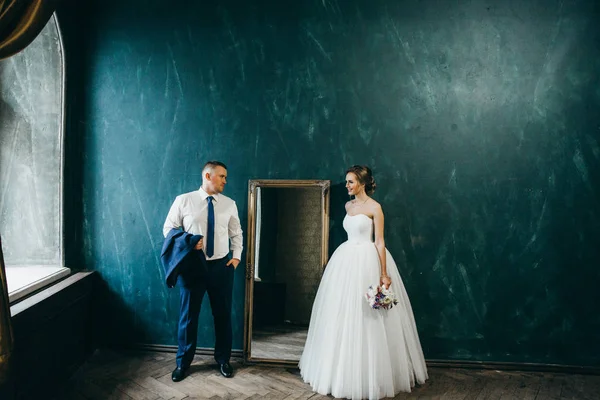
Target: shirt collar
<point x="205" y="195"/>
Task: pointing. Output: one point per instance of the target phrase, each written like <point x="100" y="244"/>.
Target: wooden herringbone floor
<point x="147" y="376"/>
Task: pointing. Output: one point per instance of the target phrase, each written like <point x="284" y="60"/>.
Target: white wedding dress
<point x="353" y="351"/>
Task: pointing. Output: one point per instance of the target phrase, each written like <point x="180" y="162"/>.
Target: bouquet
<point x="380" y="297"/>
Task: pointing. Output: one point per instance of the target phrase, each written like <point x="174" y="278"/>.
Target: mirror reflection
<point x="287" y="253"/>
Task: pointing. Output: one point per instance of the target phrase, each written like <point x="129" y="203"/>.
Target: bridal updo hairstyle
<point x="364" y="177"/>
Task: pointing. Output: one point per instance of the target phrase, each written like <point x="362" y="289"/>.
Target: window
<point x="31" y="160"/>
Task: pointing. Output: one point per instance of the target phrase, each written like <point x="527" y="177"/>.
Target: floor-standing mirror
<point x="288" y="231"/>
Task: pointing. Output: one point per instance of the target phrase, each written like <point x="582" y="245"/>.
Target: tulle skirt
<point x="353" y="351"/>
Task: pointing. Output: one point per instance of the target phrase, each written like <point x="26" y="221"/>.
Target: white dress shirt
<point x="190" y="211"/>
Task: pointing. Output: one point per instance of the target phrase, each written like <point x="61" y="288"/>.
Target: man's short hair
<point x="211" y="165"/>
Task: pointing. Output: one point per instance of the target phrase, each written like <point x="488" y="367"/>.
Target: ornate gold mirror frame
<point x="253" y="185"/>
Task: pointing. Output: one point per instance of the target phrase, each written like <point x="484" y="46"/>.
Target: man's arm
<point x="235" y="235"/>
<point x="174" y="220"/>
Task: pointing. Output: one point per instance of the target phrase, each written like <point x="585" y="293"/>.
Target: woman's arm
<point x="380" y="243"/>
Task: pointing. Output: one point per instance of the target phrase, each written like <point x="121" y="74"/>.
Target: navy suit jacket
<point x="175" y="251"/>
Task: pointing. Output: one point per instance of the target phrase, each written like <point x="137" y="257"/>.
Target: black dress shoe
<point x="178" y="374"/>
<point x="226" y="370"/>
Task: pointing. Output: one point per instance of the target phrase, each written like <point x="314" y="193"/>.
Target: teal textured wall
<point x="480" y="120"/>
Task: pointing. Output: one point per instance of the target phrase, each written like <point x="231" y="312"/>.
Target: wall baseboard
<point x="514" y="366"/>
<point x="202" y="351"/>
<point x="431" y="363"/>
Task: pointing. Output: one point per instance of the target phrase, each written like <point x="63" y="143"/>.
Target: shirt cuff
<point x="237" y="254"/>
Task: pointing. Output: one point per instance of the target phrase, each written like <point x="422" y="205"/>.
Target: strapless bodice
<point x="359" y="228"/>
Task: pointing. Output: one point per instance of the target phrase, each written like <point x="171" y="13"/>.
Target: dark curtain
<point x="21" y="21"/>
<point x="6" y="338"/>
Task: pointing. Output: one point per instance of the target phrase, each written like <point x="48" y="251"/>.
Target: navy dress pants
<point x="194" y="281"/>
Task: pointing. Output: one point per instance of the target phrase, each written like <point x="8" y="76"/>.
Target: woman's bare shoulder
<point x="374" y="204"/>
<point x="375" y="208"/>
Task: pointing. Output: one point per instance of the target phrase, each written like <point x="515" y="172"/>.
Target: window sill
<point x="24" y="280"/>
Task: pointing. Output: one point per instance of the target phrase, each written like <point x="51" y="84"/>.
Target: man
<point x="209" y="213"/>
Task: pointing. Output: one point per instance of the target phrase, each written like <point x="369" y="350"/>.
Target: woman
<point x="352" y="350"/>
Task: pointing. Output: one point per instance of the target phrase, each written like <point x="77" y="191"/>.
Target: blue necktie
<point x="210" y="231"/>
